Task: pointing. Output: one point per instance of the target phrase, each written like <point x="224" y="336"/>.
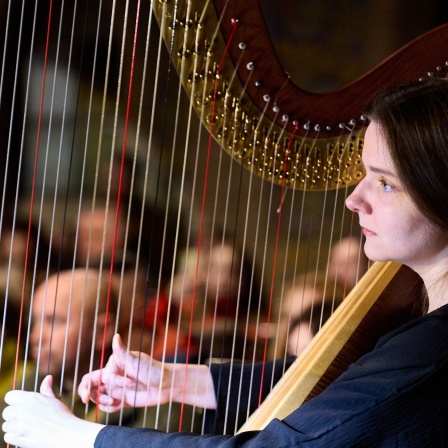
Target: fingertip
<point x="118" y="347"/>
<point x="85" y="398"/>
<point x="8" y="397"/>
<point x="46" y="387"/>
<point x="12" y="397"/>
<point x="105" y="400"/>
<point x="117" y="342"/>
<point x="84" y="394"/>
<point x="48" y="380"/>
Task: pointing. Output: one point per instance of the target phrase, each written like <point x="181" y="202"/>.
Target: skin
<point x="224" y="271"/>
<point x="52" y="425"/>
<point x="394" y="229"/>
<point x="155" y="382"/>
<point x="218" y="270"/>
<point x="346" y="265"/>
<point x="298" y="298"/>
<point x="57" y="314"/>
<point x="299" y="338"/>
<point x="40" y="420"/>
<point x="67" y="328"/>
<point x="97" y="236"/>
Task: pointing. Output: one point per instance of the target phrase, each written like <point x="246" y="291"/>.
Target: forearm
<point x="192" y="384"/>
<point x="85" y="435"/>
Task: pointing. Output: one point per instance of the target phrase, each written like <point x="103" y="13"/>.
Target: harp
<point x="100" y="123"/>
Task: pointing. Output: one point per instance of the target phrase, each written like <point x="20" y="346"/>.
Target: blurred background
<point x="77" y="99"/>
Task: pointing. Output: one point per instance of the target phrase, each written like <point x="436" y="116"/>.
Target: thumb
<point x="119" y="350"/>
<point x="46" y="387"/>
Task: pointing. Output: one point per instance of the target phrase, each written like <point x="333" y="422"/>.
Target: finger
<point x="114" y="380"/>
<point x="106" y="402"/>
<point x="46" y="387"/>
<point x="9" y="413"/>
<point x="110" y="406"/>
<point x="117" y="341"/>
<point x="12" y="426"/>
<point x="14" y="439"/>
<point x="91" y="379"/>
<point x="85" y="395"/>
<point x="11" y="438"/>
<point x="16" y="396"/>
<point x="119" y="351"/>
<point x="109" y="409"/>
<point x="88" y="385"/>
<point x="15" y="425"/>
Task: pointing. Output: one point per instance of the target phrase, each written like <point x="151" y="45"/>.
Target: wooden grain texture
<point x="424" y="54"/>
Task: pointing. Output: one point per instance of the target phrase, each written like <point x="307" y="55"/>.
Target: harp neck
<point x="327" y="109"/>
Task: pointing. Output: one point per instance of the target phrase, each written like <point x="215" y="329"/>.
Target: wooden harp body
<point x="76" y="97"/>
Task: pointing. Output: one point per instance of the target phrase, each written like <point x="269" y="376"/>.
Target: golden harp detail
<point x="280" y="132"/>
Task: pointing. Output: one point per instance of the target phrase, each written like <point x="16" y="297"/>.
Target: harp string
<point x="33" y="186"/>
<point x="319" y="243"/>
<point x="267" y="101"/>
<point x="69" y="312"/>
<point x="210" y="142"/>
<point x="170" y="295"/>
<point x="142" y="214"/>
<point x="64" y="216"/>
<point x="189" y="333"/>
<point x="243" y="247"/>
<point x="295" y="270"/>
<point x="5" y="177"/>
<point x="273" y="275"/>
<point x="345" y="138"/>
<point x="247" y="325"/>
<point x="120" y="184"/>
<point x="212" y="116"/>
<point x="246" y="229"/>
<point x="171" y="49"/>
<point x="283" y="282"/>
<point x="263" y="257"/>
<point x="144" y="193"/>
<point x="309" y="272"/>
<point x="78" y="217"/>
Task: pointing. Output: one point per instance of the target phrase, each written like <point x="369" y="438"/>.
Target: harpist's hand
<point x="128" y="379"/>
<point x="134" y="379"/>
<point x="40" y="420"/>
